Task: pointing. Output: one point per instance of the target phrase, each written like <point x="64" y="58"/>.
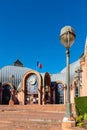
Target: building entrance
<point x="6" y="94"/>
<point x="31" y="89"/>
<point x="59" y="93"/>
<point x="31" y="99"/>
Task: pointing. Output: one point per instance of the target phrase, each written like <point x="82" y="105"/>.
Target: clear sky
<point x="30" y="29"/>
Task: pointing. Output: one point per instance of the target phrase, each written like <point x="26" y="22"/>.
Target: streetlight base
<point x="68" y="125"/>
<point x="68" y="121"/>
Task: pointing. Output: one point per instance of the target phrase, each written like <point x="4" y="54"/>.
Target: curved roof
<point x="12" y="74"/>
<point x="62" y="75"/>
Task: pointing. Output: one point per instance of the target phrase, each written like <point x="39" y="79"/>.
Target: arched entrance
<point x="31" y="88"/>
<point x="6" y="94"/>
<point x="59" y="93"/>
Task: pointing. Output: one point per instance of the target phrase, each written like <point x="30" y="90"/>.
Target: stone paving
<point x="25" y="118"/>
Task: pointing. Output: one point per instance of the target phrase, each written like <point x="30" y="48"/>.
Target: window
<point x="76" y="91"/>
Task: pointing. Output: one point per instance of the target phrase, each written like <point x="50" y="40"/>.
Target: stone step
<point x="34" y="125"/>
<point x="30" y="118"/>
<point x="48" y="107"/>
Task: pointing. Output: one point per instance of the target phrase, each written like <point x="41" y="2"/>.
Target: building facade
<point x="26" y="86"/>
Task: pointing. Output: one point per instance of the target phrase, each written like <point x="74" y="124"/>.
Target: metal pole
<point x="68" y="105"/>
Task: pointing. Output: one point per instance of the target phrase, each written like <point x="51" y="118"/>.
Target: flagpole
<point x="36" y="68"/>
<point x="37" y="65"/>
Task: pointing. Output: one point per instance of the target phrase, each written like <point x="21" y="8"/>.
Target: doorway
<point x="59" y="93"/>
<point x="6" y="94"/>
<point x="31" y="99"/>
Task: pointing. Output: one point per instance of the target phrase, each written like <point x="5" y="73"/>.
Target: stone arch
<point x="26" y="75"/>
<point x="6" y="92"/>
<point x="7" y="83"/>
<point x="55" y="93"/>
<point x="47" y="79"/>
<point x="47" y="89"/>
<point x="59" y="81"/>
<point x="74" y="89"/>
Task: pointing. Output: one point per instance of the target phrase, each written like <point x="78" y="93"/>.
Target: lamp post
<point x="67" y="37"/>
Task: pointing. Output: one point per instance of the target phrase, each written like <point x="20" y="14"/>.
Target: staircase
<point x="31" y="117"/>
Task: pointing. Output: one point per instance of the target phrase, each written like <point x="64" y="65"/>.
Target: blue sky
<point x="30" y="29"/>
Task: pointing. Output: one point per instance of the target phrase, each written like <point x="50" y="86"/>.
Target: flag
<point x="39" y="65"/>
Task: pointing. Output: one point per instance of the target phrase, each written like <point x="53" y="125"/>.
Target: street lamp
<point x="67" y="37"/>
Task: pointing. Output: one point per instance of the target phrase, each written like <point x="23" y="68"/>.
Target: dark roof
<point x="18" y="63"/>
